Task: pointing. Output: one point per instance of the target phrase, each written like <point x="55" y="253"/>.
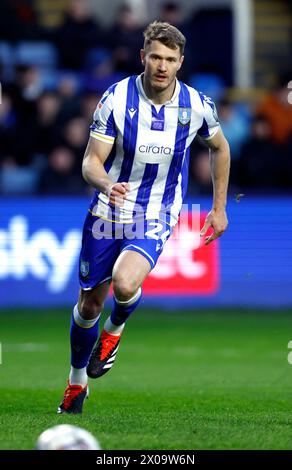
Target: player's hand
<point x="117" y="193"/>
<point x="217" y="219"/>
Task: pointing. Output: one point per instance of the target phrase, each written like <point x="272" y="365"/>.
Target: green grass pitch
<point x="207" y="380"/>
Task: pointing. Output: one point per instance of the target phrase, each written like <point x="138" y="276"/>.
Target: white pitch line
<point x="25" y="347"/>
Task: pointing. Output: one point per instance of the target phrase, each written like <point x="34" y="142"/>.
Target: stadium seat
<point x="7" y="59"/>
<point x="19" y="180"/>
<point x="6" y="53"/>
<point x="40" y="54"/>
<point x="95" y="57"/>
<point x="210" y="84"/>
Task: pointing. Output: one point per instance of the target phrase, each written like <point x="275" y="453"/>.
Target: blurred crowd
<point x="52" y="80"/>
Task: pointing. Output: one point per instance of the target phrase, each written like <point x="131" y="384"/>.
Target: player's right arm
<point x="94" y="173"/>
<point x="103" y="133"/>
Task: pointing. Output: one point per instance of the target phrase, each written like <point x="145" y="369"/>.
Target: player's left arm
<point x="220" y="167"/>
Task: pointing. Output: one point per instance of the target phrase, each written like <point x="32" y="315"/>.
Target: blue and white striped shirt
<point x="151" y="149"/>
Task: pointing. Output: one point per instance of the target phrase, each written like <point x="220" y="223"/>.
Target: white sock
<point x="80" y="321"/>
<point x="115" y="330"/>
<point x="129" y="302"/>
<point x="78" y="376"/>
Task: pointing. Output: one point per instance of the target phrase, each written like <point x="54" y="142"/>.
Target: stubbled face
<point x="161" y="65"/>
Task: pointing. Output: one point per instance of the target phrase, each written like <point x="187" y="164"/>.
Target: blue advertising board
<point x="40" y="240"/>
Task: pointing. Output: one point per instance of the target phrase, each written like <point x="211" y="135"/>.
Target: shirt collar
<point x="139" y="83"/>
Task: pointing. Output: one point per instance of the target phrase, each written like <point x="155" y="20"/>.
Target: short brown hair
<point x="169" y="35"/>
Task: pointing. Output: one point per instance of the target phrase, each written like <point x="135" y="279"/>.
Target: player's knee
<point x="124" y="288"/>
<point x="89" y="309"/>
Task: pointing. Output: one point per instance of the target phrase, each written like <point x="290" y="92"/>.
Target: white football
<point x="67" y="437"/>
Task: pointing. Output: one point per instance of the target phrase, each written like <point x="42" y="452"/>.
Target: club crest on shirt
<point x="184" y="116"/>
<point x="84" y="268"/>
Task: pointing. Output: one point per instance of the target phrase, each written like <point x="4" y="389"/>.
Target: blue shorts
<point x="103" y="241"/>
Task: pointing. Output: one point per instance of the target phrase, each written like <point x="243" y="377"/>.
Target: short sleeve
<point x="103" y="127"/>
<point x="210" y="124"/>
